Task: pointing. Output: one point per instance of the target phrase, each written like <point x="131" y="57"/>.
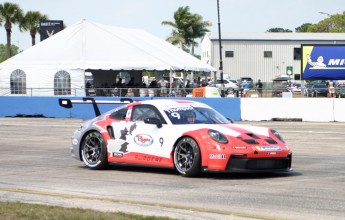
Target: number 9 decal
<point x="176" y="115"/>
<point x="161" y="141"/>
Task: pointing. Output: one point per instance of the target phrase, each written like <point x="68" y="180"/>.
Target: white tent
<point x="88" y="45"/>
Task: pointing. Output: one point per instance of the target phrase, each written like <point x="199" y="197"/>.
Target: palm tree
<point x="30" y="22"/>
<point x="197" y="29"/>
<point x="11" y="14"/>
<point x="182" y="17"/>
<point x="187" y="28"/>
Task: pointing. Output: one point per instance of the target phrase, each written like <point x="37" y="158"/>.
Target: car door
<point x="149" y="138"/>
<point x="134" y="137"/>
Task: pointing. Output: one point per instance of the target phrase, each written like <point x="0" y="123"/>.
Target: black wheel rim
<point x="92" y="149"/>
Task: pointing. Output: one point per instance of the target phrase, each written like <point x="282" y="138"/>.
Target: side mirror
<point x="154" y="121"/>
<point x="230" y="120"/>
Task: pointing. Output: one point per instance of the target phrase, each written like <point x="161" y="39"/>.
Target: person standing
<point x="174" y="87"/>
<point x="130" y="82"/>
<point x="331" y="89"/>
<point x="163" y="84"/>
<point x="245" y="87"/>
<point x="119" y="83"/>
<point x="259" y="87"/>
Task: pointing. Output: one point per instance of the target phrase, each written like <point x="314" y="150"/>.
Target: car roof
<point x="169" y="103"/>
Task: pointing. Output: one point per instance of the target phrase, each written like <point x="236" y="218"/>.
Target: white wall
<point x="307" y="109"/>
<point x="339" y="110"/>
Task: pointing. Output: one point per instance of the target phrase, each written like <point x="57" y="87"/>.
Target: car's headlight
<point x="217" y="136"/>
<point x="277" y="135"/>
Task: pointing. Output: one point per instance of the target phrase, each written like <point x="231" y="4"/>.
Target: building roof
<point x="278" y="36"/>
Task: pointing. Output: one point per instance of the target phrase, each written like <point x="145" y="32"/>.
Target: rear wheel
<point x="187" y="157"/>
<point x="94" y="151"/>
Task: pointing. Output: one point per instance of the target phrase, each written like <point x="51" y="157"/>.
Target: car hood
<point x="235" y="130"/>
<point x="231" y="130"/>
<point x="238" y="134"/>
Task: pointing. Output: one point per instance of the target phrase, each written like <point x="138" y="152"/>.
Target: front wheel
<point x="187" y="157"/>
<point x="94" y="151"/>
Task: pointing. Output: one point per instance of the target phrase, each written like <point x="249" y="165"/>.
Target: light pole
<point x="329" y="24"/>
<point x="220" y="54"/>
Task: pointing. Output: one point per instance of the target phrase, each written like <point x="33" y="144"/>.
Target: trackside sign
<point x="323" y="62"/>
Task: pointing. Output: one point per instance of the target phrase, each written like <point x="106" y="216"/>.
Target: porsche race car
<point x="188" y="136"/>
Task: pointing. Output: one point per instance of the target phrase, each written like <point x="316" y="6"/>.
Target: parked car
<point x="318" y="90"/>
<point x="280" y="86"/>
<point x="234" y="81"/>
<point x="294" y="87"/>
<point x="188" y="136"/>
<point x="277" y="91"/>
<point x="340" y="91"/>
<point x="229" y="86"/>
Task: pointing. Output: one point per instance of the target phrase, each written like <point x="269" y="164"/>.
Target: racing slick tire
<point x="187" y="158"/>
<point x="94" y="151"/>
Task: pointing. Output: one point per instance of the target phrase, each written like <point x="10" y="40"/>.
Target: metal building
<point x="262" y="56"/>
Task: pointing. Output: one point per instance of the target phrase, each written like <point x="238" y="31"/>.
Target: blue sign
<point x="323" y="62"/>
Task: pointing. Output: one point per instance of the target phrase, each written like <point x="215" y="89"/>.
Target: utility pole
<point x="220" y="54"/>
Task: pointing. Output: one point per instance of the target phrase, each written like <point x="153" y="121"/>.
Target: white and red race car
<point x="186" y="135"/>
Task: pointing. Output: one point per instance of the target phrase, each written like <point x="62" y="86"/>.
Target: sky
<point x="241" y="16"/>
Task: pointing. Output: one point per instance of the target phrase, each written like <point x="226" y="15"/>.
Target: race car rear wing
<point x="68" y="103"/>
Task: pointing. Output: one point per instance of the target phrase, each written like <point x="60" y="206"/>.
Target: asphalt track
<point x="36" y="167"/>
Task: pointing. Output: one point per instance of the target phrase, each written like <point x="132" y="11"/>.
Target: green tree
<point x="31" y="22"/>
<point x="10" y="14"/>
<point x="303" y="27"/>
<point x="335" y="23"/>
<point x="278" y="30"/>
<point x="197" y="29"/>
<point x="187" y="27"/>
<point x="180" y="26"/>
<point x="14" y="51"/>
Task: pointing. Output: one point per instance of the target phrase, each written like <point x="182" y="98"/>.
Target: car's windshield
<point x="195" y="115"/>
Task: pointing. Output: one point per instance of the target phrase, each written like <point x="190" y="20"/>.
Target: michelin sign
<point x="323" y="62"/>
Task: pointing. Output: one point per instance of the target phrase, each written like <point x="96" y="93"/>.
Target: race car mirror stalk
<point x="155" y="121"/>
